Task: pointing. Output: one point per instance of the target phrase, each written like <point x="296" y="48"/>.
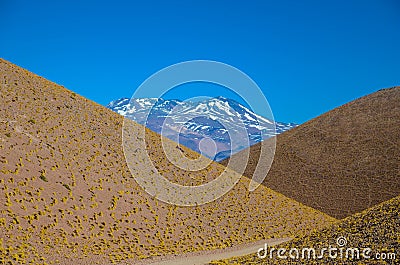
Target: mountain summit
<point x="221" y="119"/>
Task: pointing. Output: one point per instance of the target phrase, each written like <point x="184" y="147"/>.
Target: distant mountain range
<point x="225" y="121"/>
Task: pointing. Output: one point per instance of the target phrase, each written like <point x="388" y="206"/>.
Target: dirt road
<point x="204" y="257"/>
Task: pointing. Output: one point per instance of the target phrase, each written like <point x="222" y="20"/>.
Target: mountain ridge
<point x="224" y="120"/>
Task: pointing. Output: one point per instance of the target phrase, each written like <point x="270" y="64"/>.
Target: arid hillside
<point x="343" y="161"/>
<point x="67" y="196"/>
<point x="376" y="228"/>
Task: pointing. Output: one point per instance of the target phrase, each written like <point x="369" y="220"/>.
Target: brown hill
<point x="343" y="161"/>
<point x="67" y="195"/>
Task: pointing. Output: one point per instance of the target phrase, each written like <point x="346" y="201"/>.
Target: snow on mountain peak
<point x="217" y="118"/>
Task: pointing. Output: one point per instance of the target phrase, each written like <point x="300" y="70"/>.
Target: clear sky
<point x="307" y="56"/>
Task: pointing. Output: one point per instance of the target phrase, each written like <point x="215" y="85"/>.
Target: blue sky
<point x="308" y="57"/>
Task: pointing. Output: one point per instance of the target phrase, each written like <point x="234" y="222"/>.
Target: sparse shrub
<point x="43" y="177"/>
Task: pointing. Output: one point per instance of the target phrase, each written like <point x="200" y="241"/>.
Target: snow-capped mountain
<point x="230" y="125"/>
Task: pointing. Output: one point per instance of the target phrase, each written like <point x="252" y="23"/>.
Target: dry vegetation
<point x="342" y="162"/>
<point x="67" y="195"/>
<point x="376" y="228"/>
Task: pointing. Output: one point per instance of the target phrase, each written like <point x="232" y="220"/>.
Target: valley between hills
<point x="68" y="196"/>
